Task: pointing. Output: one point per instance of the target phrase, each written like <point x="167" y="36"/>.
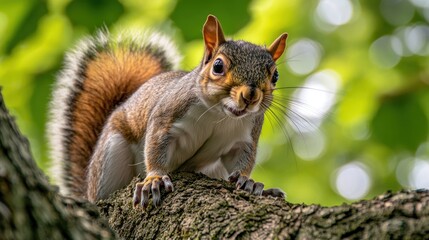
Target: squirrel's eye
<point x="218" y="67"/>
<point x="275" y="77"/>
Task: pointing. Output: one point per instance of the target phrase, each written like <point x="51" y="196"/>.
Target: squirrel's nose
<point x="250" y="97"/>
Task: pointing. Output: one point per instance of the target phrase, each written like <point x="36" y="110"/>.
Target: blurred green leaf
<point x="400" y="123"/>
<point x="28" y="24"/>
<point x="93" y="14"/>
<point x="233" y="15"/>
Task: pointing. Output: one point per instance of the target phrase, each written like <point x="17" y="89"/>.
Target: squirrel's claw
<point x="234" y="176"/>
<point x="255" y="188"/>
<point x="167" y="183"/>
<point x="156" y="193"/>
<point x="145" y="193"/>
<point x="274" y="192"/>
<point x="151" y="185"/>
<point x="258" y="188"/>
<point x="137" y="194"/>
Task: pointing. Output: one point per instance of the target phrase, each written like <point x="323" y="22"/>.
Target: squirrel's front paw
<point x="151" y="184"/>
<point x="256" y="188"/>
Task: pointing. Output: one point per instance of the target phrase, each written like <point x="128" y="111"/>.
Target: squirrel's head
<point x="237" y="76"/>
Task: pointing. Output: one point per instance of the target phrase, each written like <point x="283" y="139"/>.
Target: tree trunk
<point x="198" y="208"/>
<point x="30" y="208"/>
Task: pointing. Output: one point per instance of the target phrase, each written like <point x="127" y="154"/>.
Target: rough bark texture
<point x="198" y="208"/>
<point x="30" y="207"/>
<point x="207" y="208"/>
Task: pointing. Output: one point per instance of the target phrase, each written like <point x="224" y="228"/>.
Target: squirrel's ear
<point x="213" y="36"/>
<point x="278" y="46"/>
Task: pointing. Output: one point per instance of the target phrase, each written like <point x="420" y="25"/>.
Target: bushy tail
<point x="98" y="75"/>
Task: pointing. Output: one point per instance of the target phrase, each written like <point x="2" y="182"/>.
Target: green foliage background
<point x="380" y="119"/>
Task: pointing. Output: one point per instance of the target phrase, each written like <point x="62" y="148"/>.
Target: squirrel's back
<point x="99" y="74"/>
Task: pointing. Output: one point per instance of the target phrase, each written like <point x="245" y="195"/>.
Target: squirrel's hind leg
<point x="111" y="167"/>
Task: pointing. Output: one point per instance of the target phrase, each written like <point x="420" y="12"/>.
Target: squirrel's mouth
<point x="236" y="112"/>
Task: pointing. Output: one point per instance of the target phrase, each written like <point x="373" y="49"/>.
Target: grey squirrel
<point x="120" y="109"/>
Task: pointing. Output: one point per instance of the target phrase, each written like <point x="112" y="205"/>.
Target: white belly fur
<point x="202" y="137"/>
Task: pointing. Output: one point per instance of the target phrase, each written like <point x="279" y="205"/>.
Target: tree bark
<point x="199" y="207"/>
<point x="207" y="208"/>
<point x="30" y="208"/>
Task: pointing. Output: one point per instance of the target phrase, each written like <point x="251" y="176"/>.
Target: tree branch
<point x="205" y="208"/>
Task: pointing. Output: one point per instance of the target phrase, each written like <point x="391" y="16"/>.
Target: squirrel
<point x="120" y="108"/>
